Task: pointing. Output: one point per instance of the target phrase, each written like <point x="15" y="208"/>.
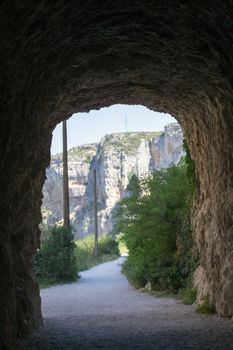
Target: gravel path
<point x="102" y="311"/>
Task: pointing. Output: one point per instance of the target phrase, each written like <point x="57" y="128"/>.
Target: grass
<point x="188" y="295"/>
<point x="48" y="284"/>
<point x="85" y="258"/>
<point x="206" y="307"/>
<point x="84" y="252"/>
<point x="60" y="259"/>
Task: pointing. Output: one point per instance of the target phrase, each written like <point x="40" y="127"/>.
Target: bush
<point x="84" y="251"/>
<point x="55" y="261"/>
<point x="123" y="250"/>
<point x="206" y="307"/>
<point x="108" y="245"/>
<point x="188" y="295"/>
<point x="156" y="227"/>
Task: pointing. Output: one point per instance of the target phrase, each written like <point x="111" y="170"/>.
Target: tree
<point x="55" y="261"/>
<point x="155" y="222"/>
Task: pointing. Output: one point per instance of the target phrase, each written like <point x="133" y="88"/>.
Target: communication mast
<point x="126" y="123"/>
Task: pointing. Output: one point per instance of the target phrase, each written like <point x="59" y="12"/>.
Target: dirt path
<point x="102" y="311"/>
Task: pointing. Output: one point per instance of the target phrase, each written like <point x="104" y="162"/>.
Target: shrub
<point x="84" y="251"/>
<point x="206" y="307"/>
<point x="123" y="250"/>
<point x="188" y="295"/>
<point x="156" y="227"/>
<point x="55" y="261"/>
<point x="108" y="245"/>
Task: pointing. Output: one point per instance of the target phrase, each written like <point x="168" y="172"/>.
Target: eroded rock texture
<point x="118" y="157"/>
<point x="68" y="56"/>
<point x="115" y="159"/>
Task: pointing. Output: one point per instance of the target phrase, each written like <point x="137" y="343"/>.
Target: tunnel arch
<point x="68" y="57"/>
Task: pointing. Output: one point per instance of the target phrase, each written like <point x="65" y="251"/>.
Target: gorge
<point x="115" y="158"/>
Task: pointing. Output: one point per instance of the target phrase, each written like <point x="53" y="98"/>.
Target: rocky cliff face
<point x="168" y="148"/>
<point x="79" y="161"/>
<point x="116" y="158"/>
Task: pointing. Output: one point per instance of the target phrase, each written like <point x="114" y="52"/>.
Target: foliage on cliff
<point x="128" y="142"/>
<point x="155" y="222"/>
<point x="85" y="152"/>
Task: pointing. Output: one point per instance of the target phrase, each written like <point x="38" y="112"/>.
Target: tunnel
<point x="62" y="57"/>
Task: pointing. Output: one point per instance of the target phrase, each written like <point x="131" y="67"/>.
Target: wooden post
<point x="66" y="209"/>
<point x="95" y="212"/>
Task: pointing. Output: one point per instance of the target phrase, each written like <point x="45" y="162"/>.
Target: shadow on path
<point x="102" y="311"/>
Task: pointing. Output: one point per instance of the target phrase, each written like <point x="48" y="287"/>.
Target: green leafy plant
<point x="156" y="227"/>
<point x="121" y="245"/>
<point x="84" y="251"/>
<point x="188" y="295"/>
<point x="206" y="307"/>
<point x="55" y="260"/>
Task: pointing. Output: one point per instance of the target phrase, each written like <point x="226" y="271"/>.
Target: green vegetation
<point x="84" y="151"/>
<point x="60" y="258"/>
<point x="55" y="261"/>
<point x="124" y="142"/>
<point x="206" y="307"/>
<point x="122" y="245"/>
<point x="84" y="252"/>
<point x="188" y="295"/>
<point x="129" y="142"/>
<point x="155" y="224"/>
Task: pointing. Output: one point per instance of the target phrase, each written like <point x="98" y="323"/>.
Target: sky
<point x="91" y="127"/>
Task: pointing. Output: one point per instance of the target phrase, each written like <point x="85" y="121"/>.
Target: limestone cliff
<point x="115" y="158"/>
<point x="79" y="160"/>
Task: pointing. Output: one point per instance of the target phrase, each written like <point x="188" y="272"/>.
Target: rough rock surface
<point x="118" y="157"/>
<point x="79" y="160"/>
<point x="62" y="57"/>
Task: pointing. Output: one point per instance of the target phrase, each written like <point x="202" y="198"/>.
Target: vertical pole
<point x="126" y="123"/>
<point x="121" y="170"/>
<point x="95" y="213"/>
<point x="66" y="209"/>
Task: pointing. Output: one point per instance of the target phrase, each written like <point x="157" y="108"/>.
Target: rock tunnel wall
<point x="73" y="56"/>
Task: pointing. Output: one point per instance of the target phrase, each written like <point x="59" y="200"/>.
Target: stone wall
<point x="66" y="57"/>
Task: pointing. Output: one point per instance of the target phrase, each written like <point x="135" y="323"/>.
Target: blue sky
<point x="91" y="127"/>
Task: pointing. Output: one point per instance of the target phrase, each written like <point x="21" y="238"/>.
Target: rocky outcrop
<point x="64" y="57"/>
<point x="168" y="148"/>
<point x="79" y="161"/>
<point x="118" y="156"/>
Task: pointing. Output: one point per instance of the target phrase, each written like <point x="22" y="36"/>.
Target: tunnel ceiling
<point x="62" y="57"/>
<point x="78" y="55"/>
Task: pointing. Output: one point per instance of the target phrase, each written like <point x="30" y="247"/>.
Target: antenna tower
<point x="126" y="123"/>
